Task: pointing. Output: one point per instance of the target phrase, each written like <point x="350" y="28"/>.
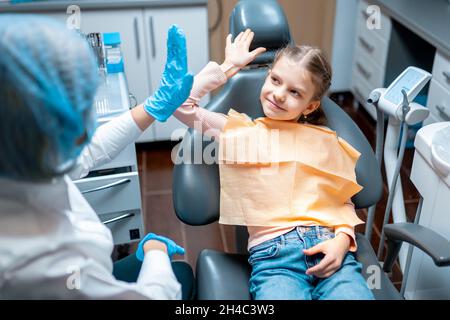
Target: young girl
<point x="300" y="220"/>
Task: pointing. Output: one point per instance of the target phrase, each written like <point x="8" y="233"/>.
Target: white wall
<point x="343" y="43"/>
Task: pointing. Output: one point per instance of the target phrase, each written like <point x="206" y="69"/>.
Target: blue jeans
<point x="279" y="270"/>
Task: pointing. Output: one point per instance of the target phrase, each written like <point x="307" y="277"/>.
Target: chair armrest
<point x="433" y="244"/>
<point x="222" y="276"/>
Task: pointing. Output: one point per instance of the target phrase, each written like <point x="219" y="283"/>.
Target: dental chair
<point x="196" y="189"/>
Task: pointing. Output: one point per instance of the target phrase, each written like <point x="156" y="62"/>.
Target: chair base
<point x="381" y="286"/>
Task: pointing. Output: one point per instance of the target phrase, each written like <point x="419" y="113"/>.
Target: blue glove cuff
<point x="172" y="247"/>
<point x="140" y="249"/>
<point x="151" y="110"/>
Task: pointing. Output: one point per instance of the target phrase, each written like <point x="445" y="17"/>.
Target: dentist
<point x="52" y="243"/>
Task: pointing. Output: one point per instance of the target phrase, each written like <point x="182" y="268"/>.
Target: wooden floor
<point x="155" y="172"/>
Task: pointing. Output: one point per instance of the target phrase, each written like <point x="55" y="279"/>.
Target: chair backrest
<point x="196" y="189"/>
<point x="269" y="22"/>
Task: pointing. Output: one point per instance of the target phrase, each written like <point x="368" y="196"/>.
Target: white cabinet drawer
<point x="372" y="45"/>
<point x="368" y="70"/>
<point x="112" y="193"/>
<point x="439" y="101"/>
<point x="361" y="90"/>
<point x="441" y="70"/>
<point x="384" y="32"/>
<point x="125" y="226"/>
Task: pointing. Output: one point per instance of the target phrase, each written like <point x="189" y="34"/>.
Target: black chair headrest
<point x="267" y="19"/>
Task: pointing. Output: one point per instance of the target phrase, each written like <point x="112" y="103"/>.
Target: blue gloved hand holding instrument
<point x="176" y="82"/>
<point x="172" y="247"/>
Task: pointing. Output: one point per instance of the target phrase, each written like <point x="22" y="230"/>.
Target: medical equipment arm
<point x="395" y="102"/>
<point x="433" y="244"/>
<point x="404" y="88"/>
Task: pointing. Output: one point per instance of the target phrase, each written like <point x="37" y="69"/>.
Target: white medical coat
<point x="53" y="245"/>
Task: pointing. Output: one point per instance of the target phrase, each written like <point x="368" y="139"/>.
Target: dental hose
<point x="373" y="99"/>
<point x="392" y="188"/>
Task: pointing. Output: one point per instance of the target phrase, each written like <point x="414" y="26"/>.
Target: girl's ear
<point x="313" y="105"/>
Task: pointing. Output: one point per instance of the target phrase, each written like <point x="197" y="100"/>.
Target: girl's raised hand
<point x="237" y="53"/>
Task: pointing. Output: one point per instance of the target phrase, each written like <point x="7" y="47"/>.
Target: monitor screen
<point x="407" y="82"/>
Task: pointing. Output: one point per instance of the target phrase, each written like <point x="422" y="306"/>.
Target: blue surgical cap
<point x="48" y="79"/>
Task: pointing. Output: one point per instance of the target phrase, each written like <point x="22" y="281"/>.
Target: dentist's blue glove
<point x="176" y="82"/>
<point x="172" y="247"/>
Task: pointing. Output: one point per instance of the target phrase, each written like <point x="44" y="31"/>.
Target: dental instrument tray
<point x="412" y="80"/>
<point x="111" y="98"/>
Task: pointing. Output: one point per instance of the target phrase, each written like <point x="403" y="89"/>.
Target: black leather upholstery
<point x="222" y="276"/>
<point x="185" y="276"/>
<point x="381" y="285"/>
<point x="269" y="24"/>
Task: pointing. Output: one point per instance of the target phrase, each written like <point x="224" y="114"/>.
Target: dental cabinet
<point x="392" y="35"/>
<point x="143" y="28"/>
<point x="369" y="56"/>
<point x="430" y="174"/>
<point x="113" y="189"/>
<point x="439" y="94"/>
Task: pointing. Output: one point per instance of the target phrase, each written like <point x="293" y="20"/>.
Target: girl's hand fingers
<point x="249" y="39"/>
<point x="318" y="248"/>
<point x="318" y="270"/>
<point x="239" y="36"/>
<point x="257" y="51"/>
<point x="246" y="34"/>
<point x="330" y="269"/>
<point x="228" y="41"/>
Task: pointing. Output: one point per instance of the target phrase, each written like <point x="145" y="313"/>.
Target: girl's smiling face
<point x="288" y="91"/>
